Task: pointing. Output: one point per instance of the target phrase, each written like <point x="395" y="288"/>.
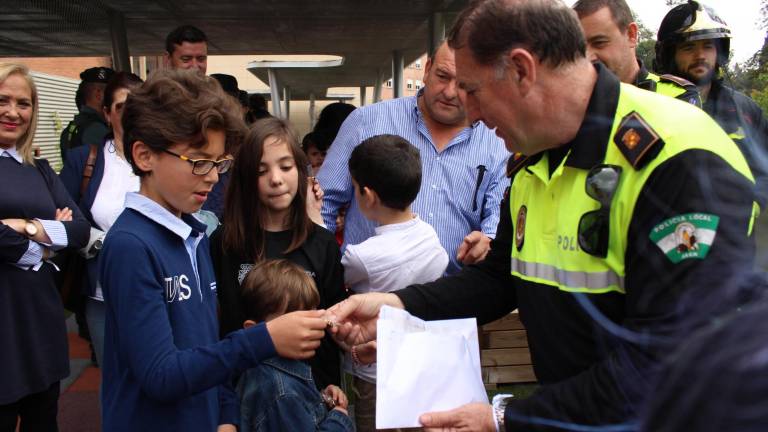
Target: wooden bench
<point x="504" y="355"/>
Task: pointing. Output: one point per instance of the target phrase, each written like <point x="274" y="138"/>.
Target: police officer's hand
<point x="473" y="248"/>
<point x="366" y="353"/>
<point x="474" y="417"/>
<point x="354" y="319"/>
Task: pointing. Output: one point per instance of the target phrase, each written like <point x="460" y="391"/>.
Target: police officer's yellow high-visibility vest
<point x="546" y="210"/>
<point x="676" y="87"/>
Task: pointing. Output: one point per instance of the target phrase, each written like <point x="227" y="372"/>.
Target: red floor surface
<point x="79" y="404"/>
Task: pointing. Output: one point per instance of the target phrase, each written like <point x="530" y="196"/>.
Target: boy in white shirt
<point x="386" y="174"/>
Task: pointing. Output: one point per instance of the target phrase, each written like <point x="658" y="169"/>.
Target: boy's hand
<point x="297" y="335"/>
<point x="335" y="397"/>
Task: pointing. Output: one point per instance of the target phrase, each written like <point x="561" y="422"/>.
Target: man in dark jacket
<point x="88" y="126"/>
<point x="693" y="42"/>
<point x="612" y="37"/>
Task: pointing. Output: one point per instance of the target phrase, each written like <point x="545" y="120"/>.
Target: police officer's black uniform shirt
<point x="590" y="377"/>
<point x="744" y="121"/>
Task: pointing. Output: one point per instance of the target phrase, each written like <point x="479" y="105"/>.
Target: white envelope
<point x="424" y="366"/>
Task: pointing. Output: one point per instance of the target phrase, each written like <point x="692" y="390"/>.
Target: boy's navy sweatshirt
<point x="164" y="366"/>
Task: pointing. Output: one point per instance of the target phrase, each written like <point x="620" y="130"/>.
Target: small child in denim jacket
<point x="279" y="394"/>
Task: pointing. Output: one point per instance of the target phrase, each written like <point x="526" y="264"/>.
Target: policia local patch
<point x="686" y="236"/>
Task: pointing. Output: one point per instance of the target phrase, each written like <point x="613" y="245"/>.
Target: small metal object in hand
<point x="311" y="174"/>
<point x="328" y="401"/>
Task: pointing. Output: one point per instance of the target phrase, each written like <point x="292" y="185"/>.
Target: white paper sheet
<point x="424" y="366"/>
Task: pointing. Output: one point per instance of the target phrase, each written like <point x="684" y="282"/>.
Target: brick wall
<point x="69" y="67"/>
<point x="413" y="72"/>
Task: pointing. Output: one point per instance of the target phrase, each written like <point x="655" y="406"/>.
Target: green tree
<point x="646" y="45"/>
<point x="751" y="77"/>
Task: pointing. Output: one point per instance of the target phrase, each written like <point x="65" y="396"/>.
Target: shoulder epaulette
<point x="691" y="93"/>
<point x="637" y="140"/>
<point x="514" y="163"/>
<point x="682" y="82"/>
<point x="647" y="84"/>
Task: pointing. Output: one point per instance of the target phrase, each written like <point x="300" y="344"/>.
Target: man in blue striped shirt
<point x="463" y="165"/>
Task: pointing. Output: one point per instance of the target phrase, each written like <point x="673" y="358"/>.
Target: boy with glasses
<point x="164" y="366"/>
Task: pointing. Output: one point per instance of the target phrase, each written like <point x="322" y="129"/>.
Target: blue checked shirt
<point x="450" y="198"/>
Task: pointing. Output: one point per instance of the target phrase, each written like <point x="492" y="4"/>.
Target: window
<point x="388" y="84"/>
<point x="419" y="84"/>
<point x="409" y="84"/>
<point x="417" y="64"/>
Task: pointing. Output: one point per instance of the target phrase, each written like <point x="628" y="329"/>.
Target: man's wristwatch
<point x="30" y="228"/>
<point x="499" y="406"/>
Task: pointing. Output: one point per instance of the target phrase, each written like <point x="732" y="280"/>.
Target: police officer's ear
<point x="521" y="69"/>
<point x="632" y="34"/>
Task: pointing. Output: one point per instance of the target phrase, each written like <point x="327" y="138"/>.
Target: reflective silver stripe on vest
<point x="568" y="279"/>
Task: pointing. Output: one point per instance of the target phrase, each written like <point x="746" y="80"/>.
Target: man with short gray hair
<point x="613" y="242"/>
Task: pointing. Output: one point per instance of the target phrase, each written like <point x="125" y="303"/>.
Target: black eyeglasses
<point x="601" y="184"/>
<point x="202" y="167"/>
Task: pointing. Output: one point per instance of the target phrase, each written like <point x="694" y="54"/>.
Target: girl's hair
<point x="277" y="287"/>
<point x="24" y="145"/>
<point x="240" y="235"/>
<point x="179" y="106"/>
<point x="120" y="80"/>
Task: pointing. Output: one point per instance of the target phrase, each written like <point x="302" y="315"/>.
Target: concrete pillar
<point x="274" y="91"/>
<point x="377" y="86"/>
<point x="287" y="96"/>
<point x="363" y="90"/>
<point x="143" y="67"/>
<point x="397" y="73"/>
<point x="436" y="31"/>
<point x="121" y="59"/>
<point x="312" y="119"/>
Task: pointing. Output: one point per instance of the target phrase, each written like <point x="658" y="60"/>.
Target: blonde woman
<point x="37" y="218"/>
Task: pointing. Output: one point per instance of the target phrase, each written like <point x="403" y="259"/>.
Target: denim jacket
<point x="280" y="395"/>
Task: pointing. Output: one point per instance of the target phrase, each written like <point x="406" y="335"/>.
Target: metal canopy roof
<point x="363" y="32"/>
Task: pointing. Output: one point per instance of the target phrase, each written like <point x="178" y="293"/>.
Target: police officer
<point x="612" y="37"/>
<point x="88" y="126"/>
<point x="614" y="239"/>
<point x="694" y="42"/>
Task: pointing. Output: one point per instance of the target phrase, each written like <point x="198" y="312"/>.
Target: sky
<point x="741" y="15"/>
